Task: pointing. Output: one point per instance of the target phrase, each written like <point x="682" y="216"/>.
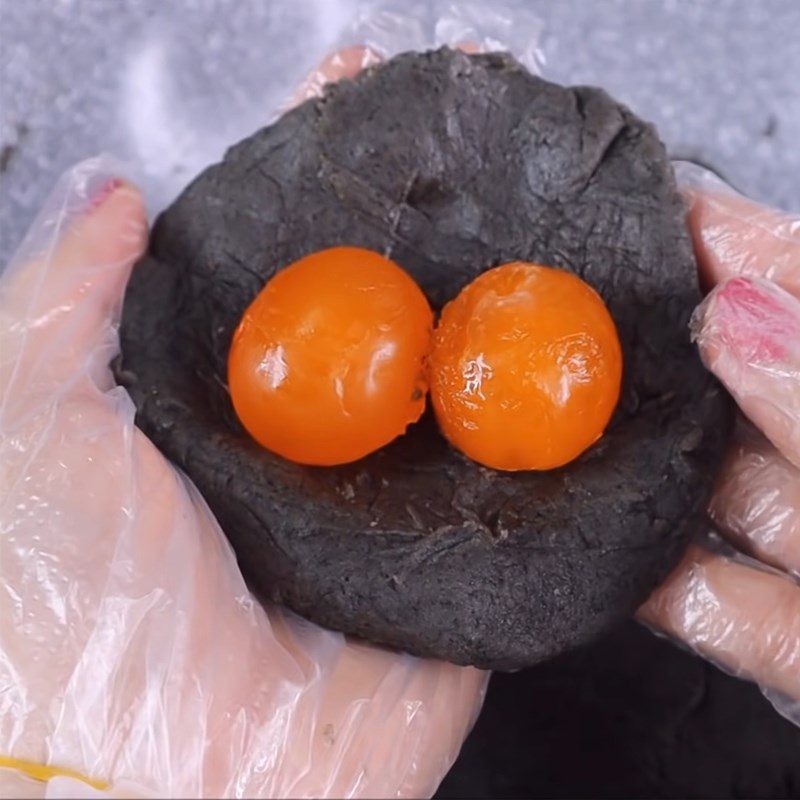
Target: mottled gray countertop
<point x="167" y="85"/>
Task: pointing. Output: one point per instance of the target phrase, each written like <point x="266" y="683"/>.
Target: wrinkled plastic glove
<point x="744" y="613"/>
<point x="131" y="652"/>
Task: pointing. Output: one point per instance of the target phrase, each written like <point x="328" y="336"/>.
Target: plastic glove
<point x="131" y="651"/>
<point x="744" y="613"/>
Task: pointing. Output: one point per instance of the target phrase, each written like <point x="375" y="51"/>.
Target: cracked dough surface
<point x="450" y="164"/>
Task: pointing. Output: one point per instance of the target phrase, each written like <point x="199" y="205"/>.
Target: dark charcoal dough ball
<point x="449" y="164"/>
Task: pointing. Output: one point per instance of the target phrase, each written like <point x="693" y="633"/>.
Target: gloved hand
<point x="744" y="614"/>
<point x="131" y="651"/>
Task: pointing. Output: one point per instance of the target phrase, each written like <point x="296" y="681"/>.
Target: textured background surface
<point x="167" y="85"/>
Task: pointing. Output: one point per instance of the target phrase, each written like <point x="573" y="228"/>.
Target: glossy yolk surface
<point x="328" y="362"/>
<point x="526" y="368"/>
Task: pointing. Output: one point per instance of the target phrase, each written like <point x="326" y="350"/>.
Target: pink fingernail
<point x="103" y="193"/>
<point x="755" y="319"/>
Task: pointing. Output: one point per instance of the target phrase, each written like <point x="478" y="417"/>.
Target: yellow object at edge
<point x="44" y="772"/>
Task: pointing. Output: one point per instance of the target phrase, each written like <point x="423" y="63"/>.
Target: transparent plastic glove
<point x="744" y="613"/>
<point x="131" y="652"/>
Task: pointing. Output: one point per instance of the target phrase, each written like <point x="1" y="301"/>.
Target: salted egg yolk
<point x="328" y="362"/>
<point x="525" y="368"/>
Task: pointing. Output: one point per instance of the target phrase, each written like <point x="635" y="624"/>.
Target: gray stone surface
<point x="167" y="85"/>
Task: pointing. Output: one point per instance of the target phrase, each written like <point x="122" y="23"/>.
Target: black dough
<point x="449" y="164"/>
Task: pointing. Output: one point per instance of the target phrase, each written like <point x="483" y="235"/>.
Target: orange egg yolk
<point x="526" y="368"/>
<point x="328" y="362"/>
